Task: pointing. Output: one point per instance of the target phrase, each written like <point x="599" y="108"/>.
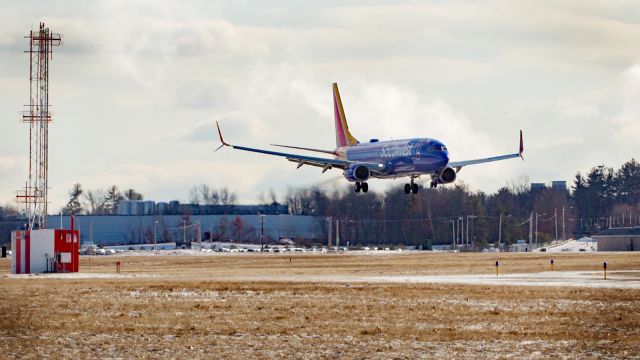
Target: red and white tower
<point x="37" y="117"/>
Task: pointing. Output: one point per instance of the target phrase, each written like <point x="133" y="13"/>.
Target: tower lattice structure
<point x="37" y="117"/>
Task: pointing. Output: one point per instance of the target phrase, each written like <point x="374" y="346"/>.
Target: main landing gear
<point x="433" y="185"/>
<point x="361" y="186"/>
<point x="411" y="188"/>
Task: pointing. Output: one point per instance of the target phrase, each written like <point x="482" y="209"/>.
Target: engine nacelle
<point x="357" y="172"/>
<point x="447" y="175"/>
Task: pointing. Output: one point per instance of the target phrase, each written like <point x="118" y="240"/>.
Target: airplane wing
<point x="324" y="163"/>
<point x="459" y="164"/>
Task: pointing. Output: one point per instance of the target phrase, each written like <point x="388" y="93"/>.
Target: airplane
<point x="380" y="159"/>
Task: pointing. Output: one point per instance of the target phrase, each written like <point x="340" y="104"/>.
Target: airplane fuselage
<point x="410" y="157"/>
<point x="379" y="159"/>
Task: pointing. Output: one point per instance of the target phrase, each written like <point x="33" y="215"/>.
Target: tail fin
<point x="343" y="136"/>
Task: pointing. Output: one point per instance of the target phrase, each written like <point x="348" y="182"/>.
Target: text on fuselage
<point x="396" y="150"/>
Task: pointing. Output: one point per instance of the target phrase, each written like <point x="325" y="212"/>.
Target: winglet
<point x="521" y="149"/>
<point x="221" y="138"/>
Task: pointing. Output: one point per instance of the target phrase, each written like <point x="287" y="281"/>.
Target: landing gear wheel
<point x="358" y="187"/>
<point x="365" y="187"/>
<point x="433" y="185"/>
<point x="407" y="188"/>
<point x="414" y="188"/>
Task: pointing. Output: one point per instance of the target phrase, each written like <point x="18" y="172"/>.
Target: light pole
<point x="563" y="210"/>
<point x="453" y="234"/>
<point x="337" y="234"/>
<point x="460" y="230"/>
<point x="469" y="217"/>
<point x="329" y="232"/>
<point x="499" y="231"/>
<point x="537" y="216"/>
<point x="562" y="222"/>
<point x="261" y="232"/>
<point x="155" y="235"/>
<point x="555" y="215"/>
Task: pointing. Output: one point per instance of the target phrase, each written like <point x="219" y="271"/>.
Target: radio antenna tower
<point x="37" y="117"/>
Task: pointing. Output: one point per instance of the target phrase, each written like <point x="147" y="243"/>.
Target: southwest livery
<point x="358" y="161"/>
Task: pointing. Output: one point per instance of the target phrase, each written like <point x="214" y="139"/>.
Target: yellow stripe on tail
<point x="343" y="136"/>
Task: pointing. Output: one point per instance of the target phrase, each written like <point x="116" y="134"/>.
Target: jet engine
<point x="357" y="172"/>
<point x="447" y="175"/>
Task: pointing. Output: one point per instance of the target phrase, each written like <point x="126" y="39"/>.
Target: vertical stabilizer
<point x="343" y="136"/>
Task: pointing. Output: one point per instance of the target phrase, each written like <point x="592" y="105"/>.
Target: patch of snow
<point x="592" y="279"/>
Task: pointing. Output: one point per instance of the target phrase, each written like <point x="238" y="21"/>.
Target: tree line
<point x="604" y="197"/>
<point x="105" y="201"/>
<point x="97" y="202"/>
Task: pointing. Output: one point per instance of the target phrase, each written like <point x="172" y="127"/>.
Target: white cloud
<point x="137" y="86"/>
<point x="627" y="115"/>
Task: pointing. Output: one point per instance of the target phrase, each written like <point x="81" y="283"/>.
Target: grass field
<point x="309" y="306"/>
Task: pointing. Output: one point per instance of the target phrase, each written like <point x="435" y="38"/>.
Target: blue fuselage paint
<point x="399" y="157"/>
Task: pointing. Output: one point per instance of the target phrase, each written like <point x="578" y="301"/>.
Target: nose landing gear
<point x="411" y="188"/>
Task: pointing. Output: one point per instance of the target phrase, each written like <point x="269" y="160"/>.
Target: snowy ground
<point x="622" y="279"/>
<point x="78" y="276"/>
<point x="580" y="245"/>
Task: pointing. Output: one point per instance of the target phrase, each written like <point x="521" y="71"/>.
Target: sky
<point x="137" y="86"/>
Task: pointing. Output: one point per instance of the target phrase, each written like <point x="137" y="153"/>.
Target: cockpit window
<point x="433" y="148"/>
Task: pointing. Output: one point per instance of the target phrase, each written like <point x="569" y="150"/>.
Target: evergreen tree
<point x="627" y="183"/>
<point x="114" y="196"/>
<point x="74" y="207"/>
<point x="131" y="194"/>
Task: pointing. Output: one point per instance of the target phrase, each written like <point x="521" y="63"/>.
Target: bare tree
<point x="273" y="197"/>
<point x="9" y="210"/>
<point x="205" y="193"/>
<point x="226" y="197"/>
<point x="96" y="200"/>
<point x="194" y="196"/>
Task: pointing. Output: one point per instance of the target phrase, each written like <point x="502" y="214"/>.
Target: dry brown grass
<point x="217" y="306"/>
<point x="235" y="266"/>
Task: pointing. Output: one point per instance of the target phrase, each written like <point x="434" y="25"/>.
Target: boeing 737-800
<point x="410" y="158"/>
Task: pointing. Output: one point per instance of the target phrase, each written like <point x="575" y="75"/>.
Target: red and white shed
<point x="46" y="250"/>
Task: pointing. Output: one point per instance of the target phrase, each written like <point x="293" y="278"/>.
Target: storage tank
<point x="148" y="207"/>
<point x="162" y="208"/>
<point x="174" y="207"/>
<point x="124" y="208"/>
<point x="137" y="207"/>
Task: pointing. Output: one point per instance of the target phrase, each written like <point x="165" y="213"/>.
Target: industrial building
<point x="145" y="229"/>
<point x="149" y="207"/>
<point x="556" y="185"/>
<point x="619" y="239"/>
